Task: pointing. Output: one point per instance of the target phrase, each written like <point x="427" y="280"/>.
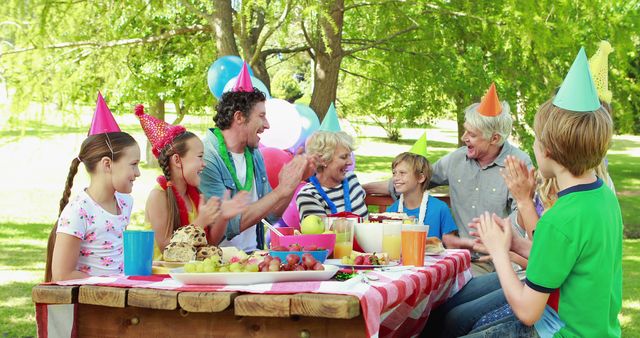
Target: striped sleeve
<point x="309" y="202"/>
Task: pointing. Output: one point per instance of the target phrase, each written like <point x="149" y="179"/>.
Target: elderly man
<point x="472" y="171"/>
<point x="233" y="164"/>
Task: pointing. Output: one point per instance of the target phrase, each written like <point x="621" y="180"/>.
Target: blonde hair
<point x="489" y="125"/>
<point x="418" y="164"/>
<point x="324" y="144"/>
<point x="576" y="140"/>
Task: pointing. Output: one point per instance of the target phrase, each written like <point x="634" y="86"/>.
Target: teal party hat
<point x="330" y="121"/>
<point x="578" y="92"/>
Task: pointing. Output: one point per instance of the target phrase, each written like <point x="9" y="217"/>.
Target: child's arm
<point x="157" y="215"/>
<point x="65" y="258"/>
<point x="527" y="304"/>
<point x="521" y="183"/>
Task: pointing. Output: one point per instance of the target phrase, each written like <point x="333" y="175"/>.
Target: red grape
<point x="293" y="259"/>
<point x="311" y="247"/>
<point x="295" y="247"/>
<point x="318" y="266"/>
<point x="280" y="248"/>
<point x="359" y="260"/>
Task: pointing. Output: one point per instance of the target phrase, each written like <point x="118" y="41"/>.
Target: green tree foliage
<point x="401" y="61"/>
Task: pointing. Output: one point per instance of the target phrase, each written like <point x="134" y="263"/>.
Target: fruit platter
<point x="243" y="269"/>
<point x="360" y="260"/>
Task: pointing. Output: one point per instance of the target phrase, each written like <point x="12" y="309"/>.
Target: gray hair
<point x="324" y="144"/>
<point x="489" y="125"/>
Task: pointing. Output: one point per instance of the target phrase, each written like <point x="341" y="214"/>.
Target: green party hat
<point x="330" y="121"/>
<point x="420" y="147"/>
<point x="578" y="93"/>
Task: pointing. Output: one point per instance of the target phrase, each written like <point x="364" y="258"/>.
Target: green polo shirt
<point x="577" y="255"/>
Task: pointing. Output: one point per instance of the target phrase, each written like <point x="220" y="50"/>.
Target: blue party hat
<point x="578" y="93"/>
<point x="330" y="121"/>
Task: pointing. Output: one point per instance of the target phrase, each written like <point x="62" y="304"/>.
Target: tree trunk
<point x="328" y="57"/>
<point x="156" y="111"/>
<point x="460" y="104"/>
<point x="260" y="71"/>
<point x="223" y="28"/>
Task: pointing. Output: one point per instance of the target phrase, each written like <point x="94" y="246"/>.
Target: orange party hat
<point x="490" y="104"/>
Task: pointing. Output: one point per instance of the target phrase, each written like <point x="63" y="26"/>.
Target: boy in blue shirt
<point x="411" y="176"/>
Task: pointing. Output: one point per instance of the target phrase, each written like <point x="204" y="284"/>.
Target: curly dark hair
<point x="231" y="102"/>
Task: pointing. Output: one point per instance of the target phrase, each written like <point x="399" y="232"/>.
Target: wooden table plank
<point x="104" y="322"/>
<point x="54" y="294"/>
<point x="325" y="306"/>
<point x="263" y="305"/>
<point x="153" y="299"/>
<point x="206" y="301"/>
<point x="103" y="295"/>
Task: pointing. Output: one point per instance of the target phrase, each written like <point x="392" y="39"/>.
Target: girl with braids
<point x="87" y="239"/>
<point x="176" y="200"/>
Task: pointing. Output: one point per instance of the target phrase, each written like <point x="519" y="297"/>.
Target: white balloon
<point x="285" y="124"/>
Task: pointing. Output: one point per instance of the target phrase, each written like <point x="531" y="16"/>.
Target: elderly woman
<point x="333" y="188"/>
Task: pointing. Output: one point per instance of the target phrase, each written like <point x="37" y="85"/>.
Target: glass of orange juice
<point x="343" y="228"/>
<point x="413" y="241"/>
<point x="391" y="238"/>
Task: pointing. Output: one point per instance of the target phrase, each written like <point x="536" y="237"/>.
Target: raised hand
<point x="520" y="180"/>
<point x="495" y="233"/>
<point x="293" y="173"/>
<point x="208" y="211"/>
<point x="234" y="206"/>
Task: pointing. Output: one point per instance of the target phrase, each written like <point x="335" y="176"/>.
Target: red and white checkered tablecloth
<point x="397" y="304"/>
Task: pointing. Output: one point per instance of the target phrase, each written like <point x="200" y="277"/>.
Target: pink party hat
<point x="243" y="84"/>
<point x="103" y="121"/>
<point x="158" y="132"/>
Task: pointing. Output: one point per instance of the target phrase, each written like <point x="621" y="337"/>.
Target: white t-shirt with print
<point x="246" y="240"/>
<point x="102" y="246"/>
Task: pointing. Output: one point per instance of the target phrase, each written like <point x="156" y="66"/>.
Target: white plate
<point x="338" y="262"/>
<point x="247" y="278"/>
<point x="170" y="265"/>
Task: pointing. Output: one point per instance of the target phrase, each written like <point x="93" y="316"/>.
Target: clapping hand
<point x="232" y="207"/>
<point x="519" y="179"/>
<point x="495" y="233"/>
<point x="208" y="211"/>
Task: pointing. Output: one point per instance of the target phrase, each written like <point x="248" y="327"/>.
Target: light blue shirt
<point x="216" y="179"/>
<point x="438" y="217"/>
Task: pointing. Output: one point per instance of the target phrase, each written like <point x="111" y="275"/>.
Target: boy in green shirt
<point x="574" y="275"/>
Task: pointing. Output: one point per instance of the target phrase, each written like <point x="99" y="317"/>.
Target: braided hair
<point x="177" y="146"/>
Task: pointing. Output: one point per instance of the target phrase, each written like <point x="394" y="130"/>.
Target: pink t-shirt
<point x="101" y="250"/>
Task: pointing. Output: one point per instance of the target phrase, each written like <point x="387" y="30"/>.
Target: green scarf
<point x="248" y="157"/>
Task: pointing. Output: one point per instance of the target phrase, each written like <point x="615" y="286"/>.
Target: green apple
<point x="312" y="225"/>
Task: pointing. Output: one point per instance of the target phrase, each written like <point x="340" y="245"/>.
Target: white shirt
<point x="100" y="232"/>
<point x="246" y="240"/>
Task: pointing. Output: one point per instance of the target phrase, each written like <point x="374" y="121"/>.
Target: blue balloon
<point x="310" y="123"/>
<point x="254" y="80"/>
<point x="221" y="71"/>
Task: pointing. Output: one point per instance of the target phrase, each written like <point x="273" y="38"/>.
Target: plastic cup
<point x="343" y="228"/>
<point x="138" y="252"/>
<point x="414" y="238"/>
<point x="392" y="239"/>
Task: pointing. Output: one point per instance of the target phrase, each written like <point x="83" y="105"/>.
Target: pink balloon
<point x="274" y="159"/>
<point x="291" y="215"/>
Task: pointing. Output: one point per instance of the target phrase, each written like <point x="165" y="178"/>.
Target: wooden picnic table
<point x="104" y="311"/>
<point x="396" y="304"/>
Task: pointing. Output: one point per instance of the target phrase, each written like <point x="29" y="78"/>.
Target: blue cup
<point x="138" y="252"/>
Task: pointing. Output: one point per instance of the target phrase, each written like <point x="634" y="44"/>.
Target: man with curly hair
<point x="233" y="164"/>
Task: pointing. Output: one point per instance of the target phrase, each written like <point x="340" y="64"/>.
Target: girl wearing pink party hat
<point x="87" y="239"/>
<point x="176" y="200"/>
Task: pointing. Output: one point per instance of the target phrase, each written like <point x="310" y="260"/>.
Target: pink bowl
<point x="327" y="241"/>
